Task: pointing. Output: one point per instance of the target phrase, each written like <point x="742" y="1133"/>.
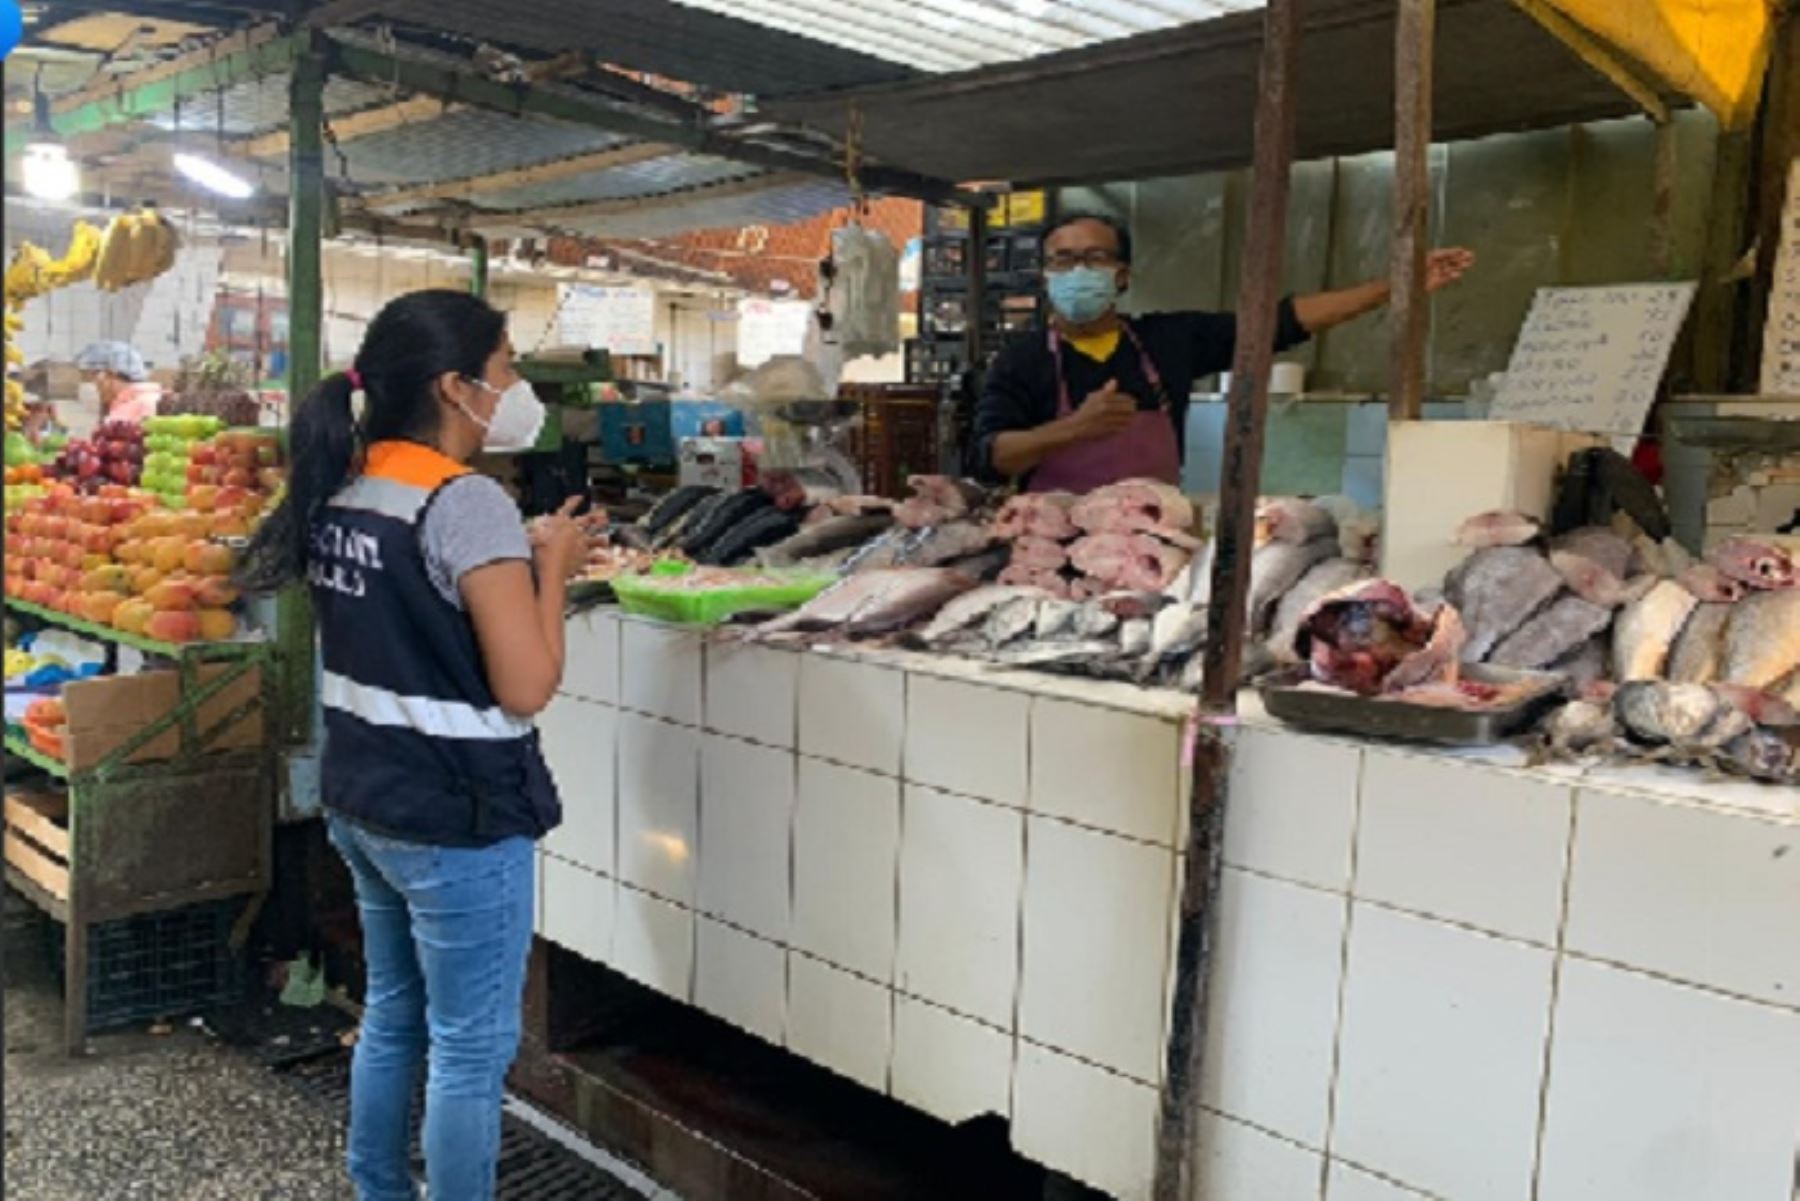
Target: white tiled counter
<point x="1436" y="978"/>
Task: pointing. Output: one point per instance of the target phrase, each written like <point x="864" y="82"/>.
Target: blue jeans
<point x="446" y="931"/>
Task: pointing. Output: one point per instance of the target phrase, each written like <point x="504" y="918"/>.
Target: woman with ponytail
<point x="441" y="635"/>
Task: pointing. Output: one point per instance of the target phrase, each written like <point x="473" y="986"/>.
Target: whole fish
<point x="1274" y="570"/>
<point x="1646" y="630"/>
<point x="1134" y="637"/>
<point x="1698" y="656"/>
<point x="873" y="602"/>
<point x="1585" y="667"/>
<point x="1755" y="563"/>
<point x="699" y="534"/>
<point x="972" y="608"/>
<point x="1010" y="619"/>
<point x="673" y="505"/>
<point x="884" y="551"/>
<point x="761" y="528"/>
<point x="1320" y="579"/>
<point x="939" y="544"/>
<point x="1055" y="618"/>
<point x="1762" y="754"/>
<point x="1095" y="620"/>
<point x="823" y="537"/>
<point x="1497" y="590"/>
<point x="1293" y="520"/>
<point x="1690" y="717"/>
<point x="1498" y="528"/>
<point x="1765" y="709"/>
<point x="1566" y="625"/>
<point x="1762" y="640"/>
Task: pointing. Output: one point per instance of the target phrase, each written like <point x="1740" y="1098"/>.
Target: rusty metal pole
<point x="1240" y="479"/>
<point x="1414" y="37"/>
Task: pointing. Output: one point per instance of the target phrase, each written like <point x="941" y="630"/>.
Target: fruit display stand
<point x="169" y="800"/>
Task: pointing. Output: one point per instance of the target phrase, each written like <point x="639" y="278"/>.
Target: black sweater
<point x="1020" y="390"/>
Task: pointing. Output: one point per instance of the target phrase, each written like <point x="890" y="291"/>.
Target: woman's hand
<point x="558" y="543"/>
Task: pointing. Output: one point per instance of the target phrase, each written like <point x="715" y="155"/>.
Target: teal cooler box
<point x="650" y="431"/>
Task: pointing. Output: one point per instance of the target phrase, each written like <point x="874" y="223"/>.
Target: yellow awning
<point x="1712" y="51"/>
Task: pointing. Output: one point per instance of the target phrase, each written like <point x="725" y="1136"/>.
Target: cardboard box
<point x="1441" y="473"/>
<point x="105" y="713"/>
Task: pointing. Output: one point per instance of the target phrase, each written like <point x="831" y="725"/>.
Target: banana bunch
<point x="15" y="391"/>
<point x="136" y="247"/>
<point x="25" y="275"/>
<point x="19" y="663"/>
<point x="15" y="404"/>
<point x="77" y="263"/>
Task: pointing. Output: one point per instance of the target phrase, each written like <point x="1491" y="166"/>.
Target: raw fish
<point x="1708" y="583"/>
<point x="1565" y="626"/>
<point x="1646" y="631"/>
<point x="1133" y="505"/>
<point x="823" y="537"/>
<point x="1755" y="563"/>
<point x="972" y="608"/>
<point x="873" y="602"/>
<point x="1498" y="528"/>
<point x="1322" y="578"/>
<point x="1698" y="656"/>
<point x="1290" y="519"/>
<point x="1497" y="590"/>
<point x="1762" y="640"/>
<point x="1596" y="584"/>
<point x="1275" y="568"/>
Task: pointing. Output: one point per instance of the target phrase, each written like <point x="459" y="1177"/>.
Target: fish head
<point x="1756" y="563"/>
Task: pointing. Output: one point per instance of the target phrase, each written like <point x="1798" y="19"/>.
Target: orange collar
<point x="410" y="463"/>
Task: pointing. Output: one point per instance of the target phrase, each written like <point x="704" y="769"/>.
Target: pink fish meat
<point x="1139" y="562"/>
<point x="1039" y="553"/>
<point x="1037" y="515"/>
<point x="1292" y="520"/>
<point x="1498" y="528"/>
<point x="935" y="500"/>
<point x="1051" y="581"/>
<point x="1134" y="505"/>
<point x="1356" y="637"/>
<point x="1594" y="583"/>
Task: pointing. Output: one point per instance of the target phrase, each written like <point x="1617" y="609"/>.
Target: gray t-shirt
<point x="471" y="523"/>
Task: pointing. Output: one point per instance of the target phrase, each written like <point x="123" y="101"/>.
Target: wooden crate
<point x="899" y="435"/>
<point x="37" y="838"/>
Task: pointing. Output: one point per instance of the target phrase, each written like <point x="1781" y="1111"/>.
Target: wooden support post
<point x="305" y="291"/>
<point x="1240" y="480"/>
<point x="1778" y="133"/>
<point x="975" y="336"/>
<point x="1718" y="305"/>
<point x="1410" y="308"/>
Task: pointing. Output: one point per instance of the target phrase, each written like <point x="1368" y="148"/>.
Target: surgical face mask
<point x="1083" y="294"/>
<point x="87" y="394"/>
<point x="518" y="417"/>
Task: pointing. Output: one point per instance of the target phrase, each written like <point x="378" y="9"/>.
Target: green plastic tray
<point x="650" y="595"/>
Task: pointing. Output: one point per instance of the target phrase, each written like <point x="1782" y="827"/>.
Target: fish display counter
<point x="1439" y="974"/>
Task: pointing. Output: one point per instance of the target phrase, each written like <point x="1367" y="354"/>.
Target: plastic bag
<point x="865" y="295"/>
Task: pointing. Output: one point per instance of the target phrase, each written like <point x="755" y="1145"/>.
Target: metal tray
<point x="1343" y="713"/>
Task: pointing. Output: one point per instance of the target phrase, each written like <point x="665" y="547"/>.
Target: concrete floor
<point x="149" y="1118"/>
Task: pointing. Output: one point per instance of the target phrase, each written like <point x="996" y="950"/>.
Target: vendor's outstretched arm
<point x="1322" y="310"/>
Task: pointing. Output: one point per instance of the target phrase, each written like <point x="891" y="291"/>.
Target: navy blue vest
<point x="415" y="744"/>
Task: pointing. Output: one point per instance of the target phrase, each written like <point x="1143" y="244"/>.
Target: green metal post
<point x="305" y="294"/>
<point x="478" y="267"/>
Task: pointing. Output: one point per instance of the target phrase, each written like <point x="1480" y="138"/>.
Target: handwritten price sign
<point x="1589" y="359"/>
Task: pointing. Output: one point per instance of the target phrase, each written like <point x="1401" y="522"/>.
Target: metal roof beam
<point x="254" y="55"/>
<point x="559" y="216"/>
<point x="433" y="79"/>
<point x="518" y="177"/>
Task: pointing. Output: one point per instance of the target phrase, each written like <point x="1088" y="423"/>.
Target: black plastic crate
<point x="159" y="965"/>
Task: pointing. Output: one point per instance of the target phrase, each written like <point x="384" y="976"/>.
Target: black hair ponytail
<point x="415" y="339"/>
<point x="322" y="449"/>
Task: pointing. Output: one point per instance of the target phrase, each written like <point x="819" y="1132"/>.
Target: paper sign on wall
<point x="1781" y="334"/>
<point x="1589" y="359"/>
<point x="620" y="320"/>
<point x="767" y="328"/>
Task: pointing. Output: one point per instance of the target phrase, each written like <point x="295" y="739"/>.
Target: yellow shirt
<point x="1100" y="347"/>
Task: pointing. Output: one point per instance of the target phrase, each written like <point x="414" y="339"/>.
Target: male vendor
<point x="1102" y="398"/>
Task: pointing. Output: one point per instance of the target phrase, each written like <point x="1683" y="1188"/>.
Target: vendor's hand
<point x="1105" y="412"/>
<point x="558" y="543"/>
<point x="1446" y="266"/>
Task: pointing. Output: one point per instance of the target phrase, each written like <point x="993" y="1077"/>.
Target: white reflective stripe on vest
<point x="427" y="715"/>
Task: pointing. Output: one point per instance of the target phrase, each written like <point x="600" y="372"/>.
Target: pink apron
<point x="1145" y="450"/>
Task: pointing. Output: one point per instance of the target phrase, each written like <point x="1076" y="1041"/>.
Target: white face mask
<point x="87" y="394"/>
<point x="518" y="417"/>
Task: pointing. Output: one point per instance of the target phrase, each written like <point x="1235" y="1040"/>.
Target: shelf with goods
<point x="162" y="772"/>
<point x="1012" y="284"/>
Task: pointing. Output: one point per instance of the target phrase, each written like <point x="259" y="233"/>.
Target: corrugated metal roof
<point x="955" y="35"/>
<point x="676" y="172"/>
<point x="459" y="144"/>
<point x="1184" y="100"/>
<point x="716" y="49"/>
<point x="663" y="216"/>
